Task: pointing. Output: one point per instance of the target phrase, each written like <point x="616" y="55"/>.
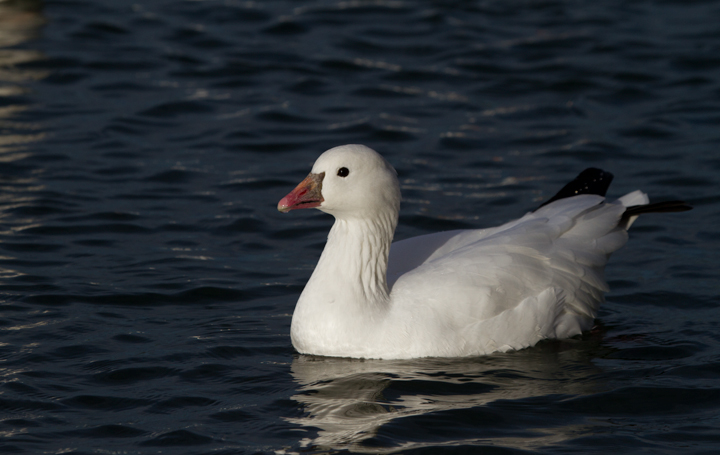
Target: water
<point x="147" y="281"/>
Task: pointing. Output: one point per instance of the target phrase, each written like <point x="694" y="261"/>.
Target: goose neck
<point x="358" y="250"/>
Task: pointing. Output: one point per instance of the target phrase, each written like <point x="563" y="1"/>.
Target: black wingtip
<point x="658" y="207"/>
<point x="589" y="181"/>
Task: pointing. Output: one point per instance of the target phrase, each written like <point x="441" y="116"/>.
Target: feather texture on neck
<point x="348" y="289"/>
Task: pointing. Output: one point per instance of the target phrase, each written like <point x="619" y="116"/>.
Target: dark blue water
<point x="147" y="281"/>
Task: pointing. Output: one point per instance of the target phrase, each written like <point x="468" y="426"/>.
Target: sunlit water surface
<point x="147" y="281"/>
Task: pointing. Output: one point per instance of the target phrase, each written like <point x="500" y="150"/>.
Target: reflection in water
<point x="363" y="405"/>
<point x="20" y="22"/>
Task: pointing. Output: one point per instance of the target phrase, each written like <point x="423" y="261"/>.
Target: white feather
<point x="454" y="293"/>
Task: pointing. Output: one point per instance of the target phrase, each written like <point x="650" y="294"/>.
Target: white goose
<point x="454" y="293"/>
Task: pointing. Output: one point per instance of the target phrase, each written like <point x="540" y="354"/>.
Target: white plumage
<point x="449" y="294"/>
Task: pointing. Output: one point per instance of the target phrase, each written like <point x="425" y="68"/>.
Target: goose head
<point x="347" y="181"/>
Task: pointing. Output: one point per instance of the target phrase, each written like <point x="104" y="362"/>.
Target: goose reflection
<point x="378" y="405"/>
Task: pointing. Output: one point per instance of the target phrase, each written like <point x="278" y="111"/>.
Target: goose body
<point x="448" y="294"/>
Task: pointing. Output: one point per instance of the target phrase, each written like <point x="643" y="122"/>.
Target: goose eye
<point x="343" y="172"/>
